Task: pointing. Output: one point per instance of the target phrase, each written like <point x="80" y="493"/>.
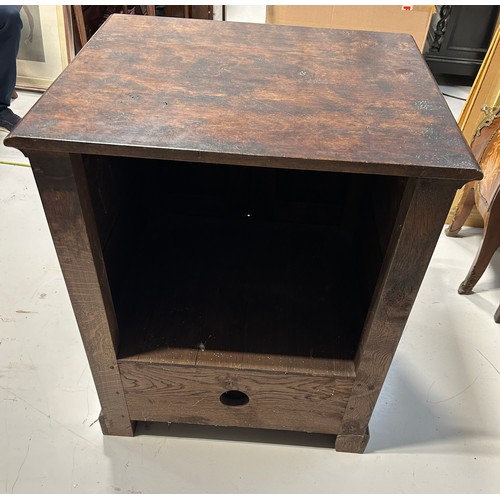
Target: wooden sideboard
<point x="243" y="215"/>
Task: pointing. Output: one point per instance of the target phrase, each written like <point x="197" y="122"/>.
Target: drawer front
<point x="242" y="398"/>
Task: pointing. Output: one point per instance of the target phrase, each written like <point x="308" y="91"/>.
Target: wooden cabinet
<point x="243" y="216"/>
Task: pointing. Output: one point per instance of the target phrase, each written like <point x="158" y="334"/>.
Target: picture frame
<point x="46" y="46"/>
<point x="484" y="95"/>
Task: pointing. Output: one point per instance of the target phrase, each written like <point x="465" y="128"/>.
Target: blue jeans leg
<point x="10" y="36"/>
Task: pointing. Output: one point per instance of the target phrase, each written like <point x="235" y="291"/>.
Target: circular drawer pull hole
<point x="234" y="398"/>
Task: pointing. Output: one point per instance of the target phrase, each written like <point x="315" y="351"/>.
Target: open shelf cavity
<point x="239" y="267"/>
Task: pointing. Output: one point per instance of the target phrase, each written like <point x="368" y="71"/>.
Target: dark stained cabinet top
<point x="247" y="94"/>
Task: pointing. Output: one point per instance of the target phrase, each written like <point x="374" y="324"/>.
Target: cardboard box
<point x="411" y="19"/>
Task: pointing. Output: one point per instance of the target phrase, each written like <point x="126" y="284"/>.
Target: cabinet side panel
<point x="420" y="220"/>
<point x="64" y="194"/>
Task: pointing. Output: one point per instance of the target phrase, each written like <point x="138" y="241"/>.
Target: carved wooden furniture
<point x="243" y="216"/>
<point x="486" y="90"/>
<point x="484" y="195"/>
<point x="460" y="39"/>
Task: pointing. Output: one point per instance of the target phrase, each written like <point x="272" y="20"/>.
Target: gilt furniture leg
<point x="464" y="208"/>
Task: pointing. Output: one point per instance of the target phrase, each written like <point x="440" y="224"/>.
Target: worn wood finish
<point x="237" y="93"/>
<point x="63" y="190"/>
<point x="195" y="271"/>
<point x="352" y="443"/>
<point x="276" y="400"/>
<point x="421" y="215"/>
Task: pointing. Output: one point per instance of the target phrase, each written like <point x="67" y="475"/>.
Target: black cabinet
<point x="458" y="43"/>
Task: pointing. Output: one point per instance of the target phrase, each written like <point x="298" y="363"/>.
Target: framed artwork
<point x="483" y="102"/>
<point x="46" y="45"/>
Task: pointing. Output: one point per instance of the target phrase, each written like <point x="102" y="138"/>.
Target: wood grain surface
<point x="251" y="94"/>
<point x="192" y="279"/>
<point x="276" y="401"/>
<point x="420" y="219"/>
<point x="66" y="202"/>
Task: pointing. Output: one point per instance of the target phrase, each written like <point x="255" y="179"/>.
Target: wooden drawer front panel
<point x="276" y="401"/>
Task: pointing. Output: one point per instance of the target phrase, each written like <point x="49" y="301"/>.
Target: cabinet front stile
<point x="63" y="189"/>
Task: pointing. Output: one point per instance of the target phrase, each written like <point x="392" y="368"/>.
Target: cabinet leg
<point x="352" y="443"/>
<point x="110" y="428"/>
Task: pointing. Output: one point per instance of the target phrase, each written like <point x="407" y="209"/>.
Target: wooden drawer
<point x="203" y="395"/>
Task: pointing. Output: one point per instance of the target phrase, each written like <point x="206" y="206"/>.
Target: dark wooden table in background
<point x="243" y="215"/>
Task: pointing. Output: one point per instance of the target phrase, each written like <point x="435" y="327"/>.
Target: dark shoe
<point x="14" y="95"/>
<point x="8" y="119"/>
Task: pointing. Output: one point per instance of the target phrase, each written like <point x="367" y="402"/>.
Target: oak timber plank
<point x="276" y="401"/>
<point x="273" y="363"/>
<point x="63" y="190"/>
<point x="421" y="215"/>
